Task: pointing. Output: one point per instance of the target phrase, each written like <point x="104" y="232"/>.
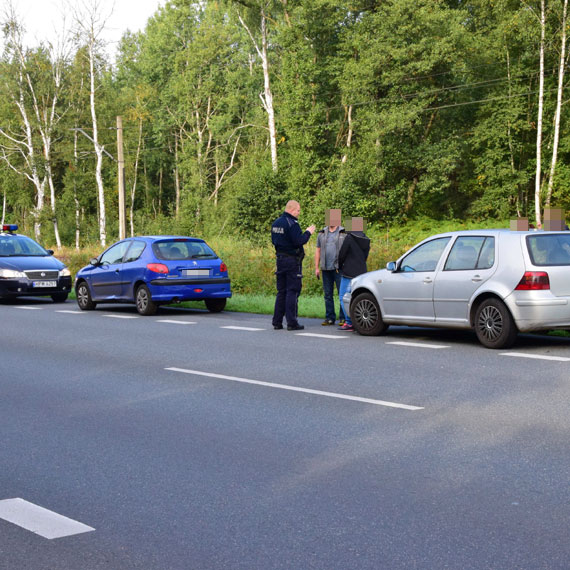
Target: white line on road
<point x="39" y="520"/>
<point x="321" y="335"/>
<point x="28" y="308"/>
<point x="176" y="322"/>
<point x="536" y="356"/>
<point x="72" y="312"/>
<point x="297" y="389"/>
<point x="243" y="328"/>
<point x="121" y="316"/>
<point x="417" y="344"/>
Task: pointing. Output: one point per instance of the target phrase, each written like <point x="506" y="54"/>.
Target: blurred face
<point x="332" y="217"/>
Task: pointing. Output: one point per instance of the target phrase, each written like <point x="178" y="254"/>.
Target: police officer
<point x="288" y="240"/>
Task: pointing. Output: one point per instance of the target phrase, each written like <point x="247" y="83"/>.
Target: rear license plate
<point x="44" y="284"/>
<point x="195" y="272"/>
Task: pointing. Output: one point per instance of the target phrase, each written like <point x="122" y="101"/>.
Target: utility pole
<point x="121" y="178"/>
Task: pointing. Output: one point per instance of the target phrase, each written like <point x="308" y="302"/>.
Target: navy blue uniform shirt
<point x="287" y="236"/>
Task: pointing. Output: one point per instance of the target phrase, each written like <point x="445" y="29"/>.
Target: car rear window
<point x="549" y="249"/>
<point x="182" y="249"/>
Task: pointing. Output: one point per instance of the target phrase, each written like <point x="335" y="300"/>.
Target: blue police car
<point x="154" y="270"/>
<point x="26" y="268"/>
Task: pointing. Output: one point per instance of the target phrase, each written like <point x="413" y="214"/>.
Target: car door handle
<point x="476" y="279"/>
<point x="428" y="280"/>
<point x="117" y="271"/>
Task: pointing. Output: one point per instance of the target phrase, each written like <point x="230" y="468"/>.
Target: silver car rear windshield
<point x="181" y="249"/>
<point x="549" y="249"/>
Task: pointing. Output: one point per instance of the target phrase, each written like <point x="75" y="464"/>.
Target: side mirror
<point x="94" y="261"/>
<point x="50" y="251"/>
<point x="391" y="266"/>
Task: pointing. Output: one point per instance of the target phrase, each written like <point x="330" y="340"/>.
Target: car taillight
<point x="157" y="267"/>
<point x="223" y="267"/>
<point x="533" y="281"/>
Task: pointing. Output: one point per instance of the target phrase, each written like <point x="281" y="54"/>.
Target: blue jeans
<point x="344" y="283"/>
<point x="330" y="279"/>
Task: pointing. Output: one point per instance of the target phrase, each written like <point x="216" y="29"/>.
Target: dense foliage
<point x="392" y="109"/>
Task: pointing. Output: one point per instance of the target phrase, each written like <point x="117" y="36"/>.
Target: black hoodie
<point x="353" y="254"/>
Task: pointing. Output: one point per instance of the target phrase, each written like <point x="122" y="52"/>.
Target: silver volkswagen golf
<point x="497" y="282"/>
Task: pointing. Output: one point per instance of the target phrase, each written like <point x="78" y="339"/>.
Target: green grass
<point x="310" y="306"/>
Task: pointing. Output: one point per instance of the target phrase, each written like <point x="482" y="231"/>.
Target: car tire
<point x="215" y="305"/>
<point x="145" y="305"/>
<point x="366" y="315"/>
<point x="494" y="325"/>
<point x="84" y="300"/>
<point x="59" y="297"/>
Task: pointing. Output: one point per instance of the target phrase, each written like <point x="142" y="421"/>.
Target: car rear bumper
<point x="26" y="287"/>
<point x="189" y="289"/>
<point x="540" y="312"/>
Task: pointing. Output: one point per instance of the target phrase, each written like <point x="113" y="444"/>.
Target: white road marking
<point x="536" y="356"/>
<point x="297" y="389"/>
<point x="176" y="322"/>
<point x="321" y="335"/>
<point x="72" y="312"/>
<point x="28" y="308"/>
<point x="39" y="520"/>
<point x="418" y="344"/>
<point x="243" y="328"/>
<point x="121" y="316"/>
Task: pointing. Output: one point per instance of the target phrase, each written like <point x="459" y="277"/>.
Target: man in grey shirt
<point x="329" y="241"/>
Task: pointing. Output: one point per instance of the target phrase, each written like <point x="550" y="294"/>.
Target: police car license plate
<point x="195" y="272"/>
<point x="44" y="284"/>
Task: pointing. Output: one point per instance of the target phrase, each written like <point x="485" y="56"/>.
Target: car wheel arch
<point x="475" y="304"/>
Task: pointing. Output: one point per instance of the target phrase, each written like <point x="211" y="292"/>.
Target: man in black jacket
<point x="289" y="240"/>
<point x="352" y="262"/>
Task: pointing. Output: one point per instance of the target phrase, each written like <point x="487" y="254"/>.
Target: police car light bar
<point x="9" y="227"/>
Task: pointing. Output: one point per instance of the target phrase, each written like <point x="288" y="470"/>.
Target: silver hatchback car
<point x="497" y="282"/>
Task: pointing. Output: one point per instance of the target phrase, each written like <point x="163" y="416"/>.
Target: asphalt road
<point x="184" y="444"/>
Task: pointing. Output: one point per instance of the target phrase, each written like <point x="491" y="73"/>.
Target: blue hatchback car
<point x="154" y="270"/>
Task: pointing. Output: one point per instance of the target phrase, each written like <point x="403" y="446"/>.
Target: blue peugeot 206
<point x="154" y="270"/>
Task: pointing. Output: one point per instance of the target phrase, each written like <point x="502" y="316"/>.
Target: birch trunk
<point x="558" y="105"/>
<point x="267" y="95"/>
<point x="75" y="198"/>
<point x="539" y="119"/>
<point x="98" y="149"/>
<point x="134" y="187"/>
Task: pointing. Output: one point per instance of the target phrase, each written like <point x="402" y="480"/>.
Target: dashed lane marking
<point x="417" y="344"/>
<point x="297" y="389"/>
<point x="333" y="336"/>
<point x="121" y="316"/>
<point x="28" y="308"/>
<point x="39" y="520"/>
<point x="242" y="328"/>
<point x="536" y="356"/>
<point x="172" y="322"/>
<point x="71" y="312"/>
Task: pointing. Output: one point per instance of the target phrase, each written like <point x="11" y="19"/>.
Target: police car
<point x="27" y="269"/>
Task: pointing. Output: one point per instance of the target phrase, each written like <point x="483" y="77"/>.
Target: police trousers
<point x="289" y="276"/>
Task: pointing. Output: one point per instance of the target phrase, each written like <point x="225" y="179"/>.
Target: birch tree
<point x="262" y="51"/>
<point x="558" y="111"/>
<point x="36" y="94"/>
<point x="90" y="26"/>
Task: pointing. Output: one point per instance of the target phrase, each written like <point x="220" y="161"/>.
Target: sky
<point x="43" y="18"/>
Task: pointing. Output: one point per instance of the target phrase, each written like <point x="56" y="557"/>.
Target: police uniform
<point x="288" y="240"/>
